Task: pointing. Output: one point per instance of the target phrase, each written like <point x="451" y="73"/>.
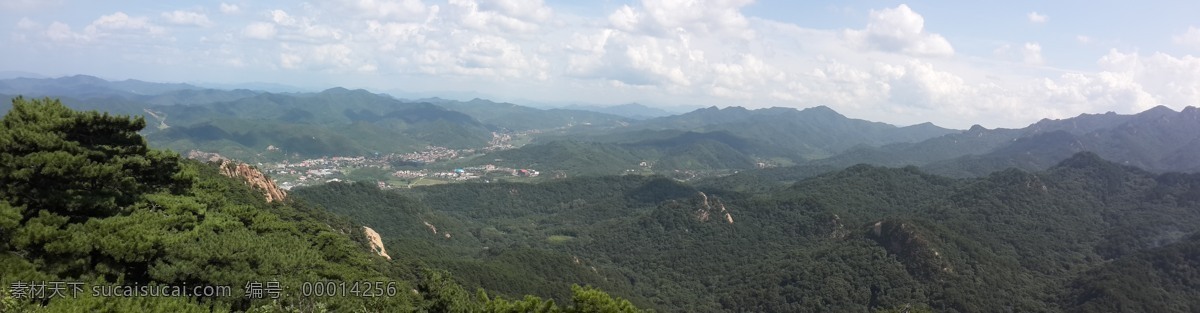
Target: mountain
<point x="83" y="86"/>
<point x="812" y="133"/>
<point x="670" y="152"/>
<point x="1159" y="139"/>
<point x="709" y="139"/>
<point x="334" y="122"/>
<point x="520" y="118"/>
<point x="125" y="228"/>
<point x="85" y="91"/>
<point x="1083" y="235"/>
<point x="629" y="110"/>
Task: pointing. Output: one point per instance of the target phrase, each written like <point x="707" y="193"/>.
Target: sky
<point x="953" y="63"/>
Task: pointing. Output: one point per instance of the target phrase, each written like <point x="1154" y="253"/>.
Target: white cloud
<point x="121" y="22"/>
<point x="230" y="8"/>
<point x="1032" y="53"/>
<point x="1083" y="39"/>
<point x="27" y="24"/>
<point x="390" y="10"/>
<point x="60" y="32"/>
<point x="282" y="18"/>
<point x="1034" y="17"/>
<point x="180" y="17"/>
<point x="666" y="18"/>
<point x="532" y="10"/>
<point x="899" y="30"/>
<point x="290" y="61"/>
<point x="1190" y="39"/>
<point x="259" y="30"/>
<point x="670" y="52"/>
<point x="1174" y="81"/>
<point x="519" y="16"/>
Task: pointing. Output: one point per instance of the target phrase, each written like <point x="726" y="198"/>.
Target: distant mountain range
<point x="336" y="122"/>
<point x="610" y="140"/>
<point x="712" y="138"/>
<point x="1159" y="139"/>
<point x="630" y="110"/>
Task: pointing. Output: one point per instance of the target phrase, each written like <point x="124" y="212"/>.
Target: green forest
<point x="84" y="200"/>
<point x="1086" y="235"/>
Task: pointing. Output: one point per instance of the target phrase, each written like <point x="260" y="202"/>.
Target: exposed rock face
<point x="704" y="212"/>
<point x="376" y="242"/>
<point x="253" y="177"/>
<point x="911" y="246"/>
<point x="839" y="230"/>
<point x="205" y="156"/>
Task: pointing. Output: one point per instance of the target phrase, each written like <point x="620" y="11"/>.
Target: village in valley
<point x="389" y="171"/>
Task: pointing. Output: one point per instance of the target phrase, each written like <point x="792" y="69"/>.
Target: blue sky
<point x="954" y="63"/>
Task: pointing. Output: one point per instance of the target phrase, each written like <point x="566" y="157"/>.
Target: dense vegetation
<point x="1058" y="216"/>
<point x="83" y="199"/>
<point x="863" y="238"/>
<point x="681" y="152"/>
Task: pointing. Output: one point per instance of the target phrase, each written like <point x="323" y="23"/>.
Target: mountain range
<point x="713" y="210"/>
<point x="244" y="123"/>
<point x="1159" y="139"/>
<point x="629" y="110"/>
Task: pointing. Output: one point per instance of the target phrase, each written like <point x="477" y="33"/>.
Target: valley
<point x="714" y="210"/>
<point x="535" y="156"/>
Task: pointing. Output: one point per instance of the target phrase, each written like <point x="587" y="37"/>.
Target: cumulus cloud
<point x="1036" y="18"/>
<point x="520" y="16"/>
<point x="335" y="57"/>
<point x="1032" y="53"/>
<point x="61" y="32"/>
<point x="1190" y="38"/>
<point x="899" y="30"/>
<point x="121" y="22"/>
<point x="1169" y="80"/>
<point x="112" y="26"/>
<point x="230" y="8"/>
<point x="665" y="18"/>
<point x="696" y="52"/>
<point x="390" y="10"/>
<point x="180" y="17"/>
<point x="281" y="17"/>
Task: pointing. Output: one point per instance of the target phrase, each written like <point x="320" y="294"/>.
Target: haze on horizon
<point x="902" y="62"/>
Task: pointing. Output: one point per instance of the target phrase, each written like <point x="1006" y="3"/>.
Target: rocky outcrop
<point x="205" y="156"/>
<point x="911" y="247"/>
<point x="376" y="242"/>
<point x="838" y="230"/>
<point x="706" y="209"/>
<point x="253" y="177"/>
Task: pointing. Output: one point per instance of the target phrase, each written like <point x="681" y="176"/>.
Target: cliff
<point x="911" y="246"/>
<point x="705" y="209"/>
<point x="376" y="242"/>
<point x="253" y="177"/>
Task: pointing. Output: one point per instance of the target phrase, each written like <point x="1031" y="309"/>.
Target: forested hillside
<point x="679" y="152"/>
<point x="811" y="133"/>
<point x="84" y="200"/>
<point x="862" y="238"/>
